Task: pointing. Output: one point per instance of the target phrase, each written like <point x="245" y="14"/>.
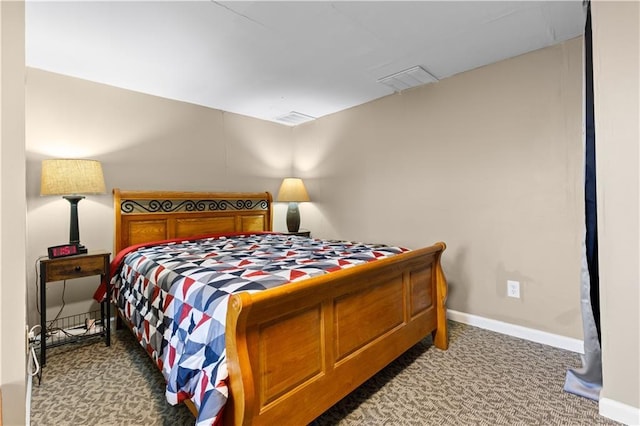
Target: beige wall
<point x="616" y="50"/>
<point x="144" y="142"/>
<point x="12" y="214"/>
<point x="489" y="161"/>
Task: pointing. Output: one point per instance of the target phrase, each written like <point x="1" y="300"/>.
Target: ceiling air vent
<point x="406" y="79"/>
<point x="294" y="118"/>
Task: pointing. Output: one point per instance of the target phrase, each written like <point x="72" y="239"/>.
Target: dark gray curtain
<point x="587" y="381"/>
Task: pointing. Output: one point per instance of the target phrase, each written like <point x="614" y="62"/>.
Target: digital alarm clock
<point x="63" y="250"/>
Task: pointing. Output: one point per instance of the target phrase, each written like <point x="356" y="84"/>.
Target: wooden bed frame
<point x="295" y="350"/>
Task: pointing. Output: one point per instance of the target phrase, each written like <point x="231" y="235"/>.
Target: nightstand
<point x="67" y="268"/>
<point x="300" y="233"/>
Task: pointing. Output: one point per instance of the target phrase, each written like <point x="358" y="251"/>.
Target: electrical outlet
<point x="513" y="289"/>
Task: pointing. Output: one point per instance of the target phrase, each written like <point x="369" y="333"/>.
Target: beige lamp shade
<point x="71" y="176"/>
<point x="293" y="190"/>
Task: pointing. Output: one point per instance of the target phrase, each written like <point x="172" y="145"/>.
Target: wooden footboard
<point x="295" y="350"/>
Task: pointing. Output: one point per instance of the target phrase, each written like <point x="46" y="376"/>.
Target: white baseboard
<point x="555" y="340"/>
<point x="619" y="412"/>
<point x="27" y="402"/>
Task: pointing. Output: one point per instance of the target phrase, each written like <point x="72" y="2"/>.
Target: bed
<point x="294" y="350"/>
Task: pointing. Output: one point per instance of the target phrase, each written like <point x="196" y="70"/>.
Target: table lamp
<point x="71" y="178"/>
<point x="293" y="191"/>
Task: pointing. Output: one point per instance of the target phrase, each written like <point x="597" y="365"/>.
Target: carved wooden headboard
<point x="144" y="216"/>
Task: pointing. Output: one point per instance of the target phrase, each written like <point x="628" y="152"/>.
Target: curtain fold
<point x="587" y="381"/>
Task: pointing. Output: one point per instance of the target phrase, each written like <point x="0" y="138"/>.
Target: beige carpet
<point x="484" y="378"/>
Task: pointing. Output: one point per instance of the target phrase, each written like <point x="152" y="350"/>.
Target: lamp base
<point x="74" y="230"/>
<point x="293" y="217"/>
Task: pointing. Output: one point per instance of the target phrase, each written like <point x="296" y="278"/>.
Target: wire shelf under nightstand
<point x="74" y="328"/>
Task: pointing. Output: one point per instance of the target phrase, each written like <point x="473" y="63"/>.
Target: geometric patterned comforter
<point x="175" y="296"/>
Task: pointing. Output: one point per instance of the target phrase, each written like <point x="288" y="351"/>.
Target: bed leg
<point x="441" y="337"/>
<point x="441" y="334"/>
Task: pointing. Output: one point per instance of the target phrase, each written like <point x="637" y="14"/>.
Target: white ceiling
<point x="267" y="59"/>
